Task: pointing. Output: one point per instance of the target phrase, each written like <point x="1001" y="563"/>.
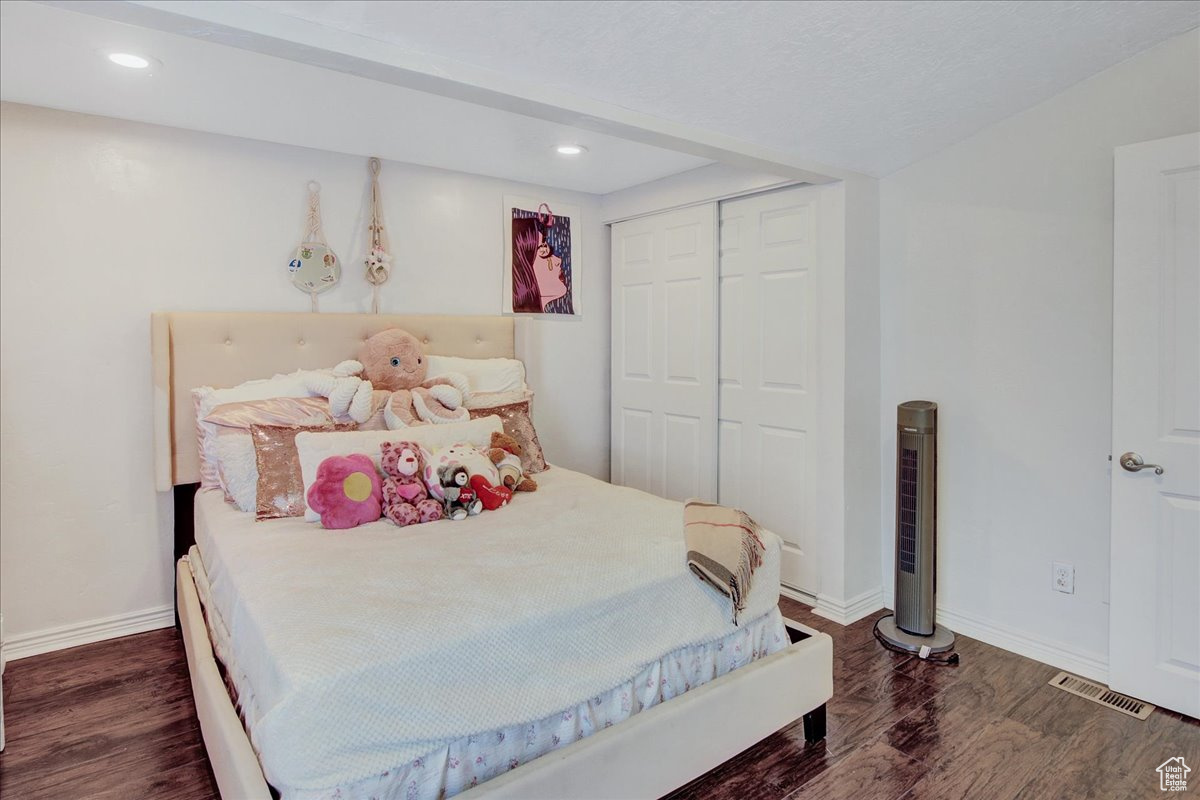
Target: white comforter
<point x="356" y="651"/>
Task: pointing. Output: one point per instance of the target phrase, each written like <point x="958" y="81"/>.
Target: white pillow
<point x="483" y="374"/>
<point x="263" y="389"/>
<point x="206" y="398"/>
<point x="238" y="469"/>
<point x="313" y="448"/>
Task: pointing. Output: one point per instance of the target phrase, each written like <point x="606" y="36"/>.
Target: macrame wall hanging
<point x="314" y="267"/>
<point x="379" y="260"/>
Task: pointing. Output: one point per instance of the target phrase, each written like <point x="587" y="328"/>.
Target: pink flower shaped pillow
<point x="347" y="492"/>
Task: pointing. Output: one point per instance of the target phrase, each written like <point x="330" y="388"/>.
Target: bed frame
<point x="646" y="756"/>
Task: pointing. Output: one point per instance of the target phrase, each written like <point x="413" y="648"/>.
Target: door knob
<point x="1133" y="463"/>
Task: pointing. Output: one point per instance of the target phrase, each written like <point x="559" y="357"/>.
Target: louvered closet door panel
<point x="664" y="404"/>
<point x="767" y="284"/>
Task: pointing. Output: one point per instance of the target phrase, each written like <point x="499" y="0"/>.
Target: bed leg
<point x="814" y="724"/>
<point x="184" y="497"/>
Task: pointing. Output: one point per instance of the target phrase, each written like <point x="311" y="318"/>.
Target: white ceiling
<point x="864" y="86"/>
<point x="54" y="57"/>
<point x="810" y="91"/>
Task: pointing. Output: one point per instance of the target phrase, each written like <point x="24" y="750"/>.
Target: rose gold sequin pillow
<point x="513" y="410"/>
<point x="280" y="491"/>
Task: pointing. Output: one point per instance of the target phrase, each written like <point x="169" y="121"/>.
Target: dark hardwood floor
<point x="989" y="727"/>
<point x="115" y="720"/>
<point x="112" y="720"/>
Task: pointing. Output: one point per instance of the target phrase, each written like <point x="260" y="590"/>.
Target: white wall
<point x="847" y="440"/>
<point x="862" y="381"/>
<point x="104" y="221"/>
<point x="997" y="293"/>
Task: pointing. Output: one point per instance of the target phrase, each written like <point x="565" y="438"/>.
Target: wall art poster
<point x="541" y="257"/>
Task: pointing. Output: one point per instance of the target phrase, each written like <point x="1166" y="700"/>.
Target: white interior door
<point x="768" y="265"/>
<point x="1154" y="616"/>
<point x="664" y="345"/>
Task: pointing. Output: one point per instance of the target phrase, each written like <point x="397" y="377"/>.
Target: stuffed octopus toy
<point x="391" y="372"/>
<point x="406" y="499"/>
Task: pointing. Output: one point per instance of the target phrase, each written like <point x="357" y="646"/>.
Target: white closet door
<point x="768" y="370"/>
<point x="664" y="344"/>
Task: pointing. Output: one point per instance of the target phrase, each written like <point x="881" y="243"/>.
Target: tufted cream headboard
<point x="223" y="349"/>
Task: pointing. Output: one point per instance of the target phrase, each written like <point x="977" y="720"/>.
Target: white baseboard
<point x="1080" y="662"/>
<point x="852" y="610"/>
<point x="842" y="613"/>
<point x="799" y="595"/>
<point x="24" y="645"/>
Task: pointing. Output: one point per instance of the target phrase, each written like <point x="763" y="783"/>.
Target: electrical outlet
<point x="1063" y="578"/>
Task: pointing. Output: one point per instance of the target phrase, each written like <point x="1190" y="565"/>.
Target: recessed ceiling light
<point x="129" y="60"/>
<point x="570" y="149"/>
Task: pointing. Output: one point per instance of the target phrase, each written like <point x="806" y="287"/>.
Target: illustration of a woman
<point x="538" y="278"/>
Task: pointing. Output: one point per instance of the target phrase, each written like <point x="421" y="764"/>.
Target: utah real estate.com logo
<point x="1172" y="775"/>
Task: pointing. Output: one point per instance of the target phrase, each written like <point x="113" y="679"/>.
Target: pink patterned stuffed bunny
<point x="405" y="499"/>
<point x="346" y="492"/>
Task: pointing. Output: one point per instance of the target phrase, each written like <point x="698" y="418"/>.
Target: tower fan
<point x="911" y="629"/>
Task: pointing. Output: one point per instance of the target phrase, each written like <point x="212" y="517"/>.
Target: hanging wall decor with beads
<point x="314" y="267"/>
<point x="379" y="260"/>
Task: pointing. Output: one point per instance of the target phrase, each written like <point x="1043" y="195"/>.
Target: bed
<point x="531" y="679"/>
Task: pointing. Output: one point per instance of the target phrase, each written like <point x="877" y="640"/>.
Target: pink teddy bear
<point x="405" y="498"/>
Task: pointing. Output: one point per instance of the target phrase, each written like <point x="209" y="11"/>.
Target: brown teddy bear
<point x="505" y="453"/>
<point x="458" y="496"/>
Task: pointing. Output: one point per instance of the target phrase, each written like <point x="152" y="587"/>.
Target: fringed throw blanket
<point x="723" y="548"/>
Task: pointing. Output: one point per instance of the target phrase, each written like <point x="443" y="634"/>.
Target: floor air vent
<point x="1098" y="693"/>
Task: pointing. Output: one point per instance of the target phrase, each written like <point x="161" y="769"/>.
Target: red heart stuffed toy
<point x="493" y="497"/>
